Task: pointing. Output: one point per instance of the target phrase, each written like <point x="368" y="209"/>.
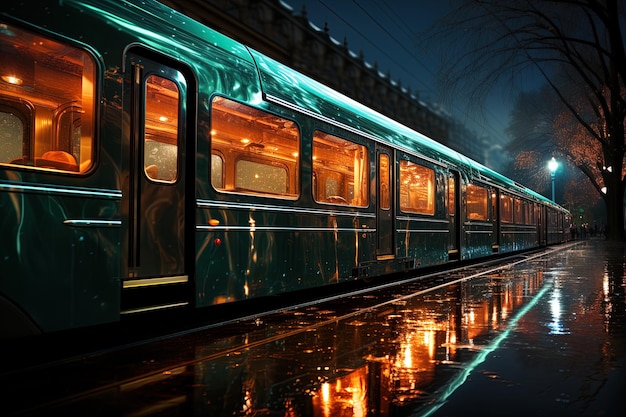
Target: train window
<point x="477" y="202"/>
<point x="341" y="171"/>
<point x="253" y="151"/>
<point x="451" y="196"/>
<point x="519" y="212"/>
<point x="217" y="171"/>
<point x="384" y="181"/>
<point x="261" y="177"/>
<point x="417" y="188"/>
<point x="160" y="146"/>
<point x="530" y="213"/>
<point x="55" y="131"/>
<point x="68" y="127"/>
<point x="14" y="120"/>
<point x="506" y="209"/>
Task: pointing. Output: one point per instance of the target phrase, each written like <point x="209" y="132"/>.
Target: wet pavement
<point x="545" y="336"/>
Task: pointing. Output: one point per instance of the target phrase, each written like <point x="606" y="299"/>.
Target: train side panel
<point x="479" y="234"/>
<point x="263" y="251"/>
<point x="64" y="157"/>
<point x="149" y="162"/>
<point x="60" y="261"/>
<point x="422" y="232"/>
<point x="59" y="193"/>
<point x="305" y="222"/>
<point x="518" y="226"/>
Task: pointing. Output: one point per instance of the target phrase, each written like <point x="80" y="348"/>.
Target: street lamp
<point x="552" y="166"/>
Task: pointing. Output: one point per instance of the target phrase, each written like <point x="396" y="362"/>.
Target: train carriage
<point x="148" y="162"/>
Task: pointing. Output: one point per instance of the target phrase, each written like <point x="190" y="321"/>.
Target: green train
<point x="148" y="162"/>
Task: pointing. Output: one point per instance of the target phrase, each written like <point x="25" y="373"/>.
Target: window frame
<point x="477" y="216"/>
<point x="265" y="162"/>
<point x="384" y="181"/>
<point x="506" y="213"/>
<point x="431" y="204"/>
<point x="42" y="151"/>
<point x="341" y="199"/>
<point x="294" y="173"/>
<point x="148" y="168"/>
<point x="25" y="112"/>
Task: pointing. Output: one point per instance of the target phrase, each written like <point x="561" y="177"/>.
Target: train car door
<point x="384" y="200"/>
<point x="454" y="234"/>
<point x="158" y="273"/>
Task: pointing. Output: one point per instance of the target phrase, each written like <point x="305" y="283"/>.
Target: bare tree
<point x="540" y="126"/>
<point x="577" y="48"/>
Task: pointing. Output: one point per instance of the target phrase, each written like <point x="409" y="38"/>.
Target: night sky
<point x="394" y="34"/>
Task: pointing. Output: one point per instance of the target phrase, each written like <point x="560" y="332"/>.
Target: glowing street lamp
<point x="553" y="165"/>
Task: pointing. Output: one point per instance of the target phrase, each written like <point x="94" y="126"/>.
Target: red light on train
<point x="217" y="241"/>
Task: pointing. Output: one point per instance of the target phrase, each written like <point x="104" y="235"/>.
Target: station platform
<point x="543" y="334"/>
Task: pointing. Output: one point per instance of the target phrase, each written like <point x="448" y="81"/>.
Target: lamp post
<point x="552" y="166"/>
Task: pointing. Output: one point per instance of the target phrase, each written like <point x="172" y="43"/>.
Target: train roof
<point x="288" y="86"/>
<point x="282" y="84"/>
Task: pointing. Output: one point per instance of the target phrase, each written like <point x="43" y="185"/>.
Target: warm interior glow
<point x="37" y="75"/>
<point x="11" y="79"/>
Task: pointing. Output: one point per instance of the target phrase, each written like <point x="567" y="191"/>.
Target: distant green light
<point x="553" y="165"/>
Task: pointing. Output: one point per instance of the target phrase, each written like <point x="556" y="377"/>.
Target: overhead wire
<point x="406" y="30"/>
<point x="369" y="41"/>
<point x="403" y="25"/>
<point x="410" y="53"/>
<point x="392" y="36"/>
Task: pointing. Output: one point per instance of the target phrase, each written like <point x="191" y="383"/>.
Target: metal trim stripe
<point x="92" y="192"/>
<point x="154" y="308"/>
<point x="92" y="223"/>
<point x="419" y="219"/>
<point x="422" y="231"/>
<point x="151" y="282"/>
<point x="204" y="204"/>
<point x="280" y="229"/>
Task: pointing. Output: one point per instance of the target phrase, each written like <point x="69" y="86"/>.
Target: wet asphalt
<point x="543" y="336"/>
<point x="563" y="356"/>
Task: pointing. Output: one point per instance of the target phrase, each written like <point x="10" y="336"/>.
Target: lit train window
<point x="530" y="213"/>
<point x="506" y="209"/>
<point x="341" y="171"/>
<point x="451" y="196"/>
<point x="253" y="152"/>
<point x="161" y="129"/>
<point x="384" y="179"/>
<point x="261" y="177"/>
<point x="56" y="80"/>
<point x="477" y="202"/>
<point x="417" y="188"/>
<point x="217" y="171"/>
<point x="519" y="212"/>
<point x="14" y="121"/>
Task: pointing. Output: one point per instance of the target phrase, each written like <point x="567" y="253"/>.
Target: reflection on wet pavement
<point x="544" y="337"/>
